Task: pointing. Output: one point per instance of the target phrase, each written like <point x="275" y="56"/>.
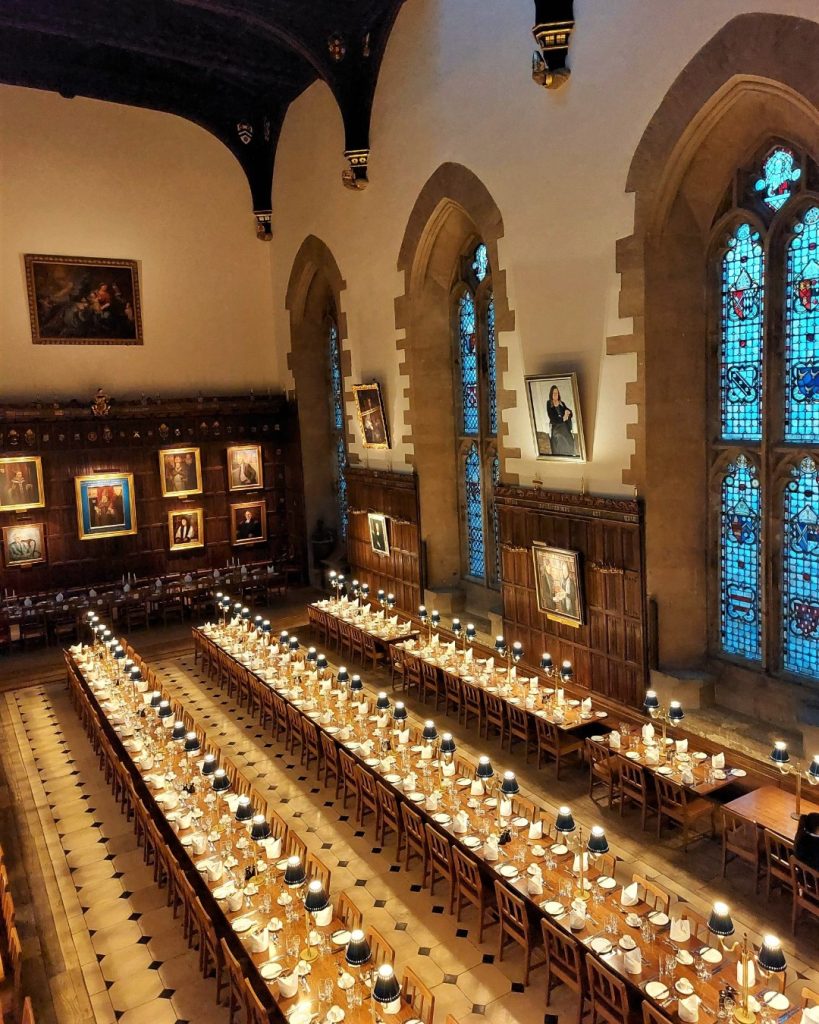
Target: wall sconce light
<point x="554" y="24"/>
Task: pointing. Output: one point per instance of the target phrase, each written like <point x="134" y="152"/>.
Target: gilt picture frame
<point x="558" y="583"/>
<point x="554" y="411"/>
<point x="186" y="529"/>
<point x="24" y="545"/>
<point x="106" y="505"/>
<point x="180" y="472"/>
<point x="21" y="483"/>
<point x="379" y="533"/>
<point x="372" y="420"/>
<point x="245" y="467"/>
<point x="248" y="523"/>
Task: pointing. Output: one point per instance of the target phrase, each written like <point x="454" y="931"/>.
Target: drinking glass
<point x="325" y="992"/>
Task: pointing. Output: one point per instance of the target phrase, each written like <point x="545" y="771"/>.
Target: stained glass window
<point x="336" y="385"/>
<point x="341" y="472"/>
<point x="491" y="367"/>
<point x="480" y="263"/>
<point x="742" y="330"/>
<point x="800" y="577"/>
<point x="474" y="512"/>
<point x="740" y="562"/>
<point x="779" y="174"/>
<point x="467" y="329"/>
<point x="801" y="327"/>
<point x="495" y="519"/>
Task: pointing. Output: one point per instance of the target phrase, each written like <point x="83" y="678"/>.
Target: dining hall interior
<point x="409" y="427"/>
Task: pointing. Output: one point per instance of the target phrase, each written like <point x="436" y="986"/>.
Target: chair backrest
<point x="524" y="808"/>
<point x="809" y="997"/>
<point x="294" y="846"/>
<point x="670" y="796"/>
<point x="653" y="1015"/>
<point x="415" y="993"/>
<point x="388" y="802"/>
<point x="563" y="955"/>
<point x="511" y="912"/>
<point x="466" y="871"/>
<point x="608" y="993"/>
<point x="472" y="696"/>
<point x="330" y="751"/>
<point x="494" y="705"/>
<point x="348" y="913"/>
<point x="413" y="825"/>
<point x="439" y="848"/>
<point x="518" y="719"/>
<point x="317" y="870"/>
<point x="778" y="854"/>
<point x="278" y="826"/>
<point x="632" y="776"/>
<point x="739" y="834"/>
<point x="654" y="895"/>
<point x="599" y="754"/>
<point x="429" y="671"/>
<point x="806" y="884"/>
<point x="256" y="1011"/>
<point x="366" y="783"/>
<point x="348" y="768"/>
<point x="382" y="952"/>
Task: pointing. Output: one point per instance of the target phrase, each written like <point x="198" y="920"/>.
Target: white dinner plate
<point x="665" y="770"/>
<point x="658" y="918"/>
<point x="600" y="945"/>
<point x="331" y="730"/>
<point x="416" y="798"/>
<point x="573" y="703"/>
<point x="607" y="882"/>
<point x="491" y="802"/>
<point x="684" y="987"/>
<point x="270" y="971"/>
<point x="712" y="956"/>
<point x="281" y="864"/>
<point x="657" y="990"/>
<point x="341" y="937"/>
<point x="442" y="818"/>
<point x="684" y="958"/>
<point x="633" y="755"/>
<point x="520" y="822"/>
<point x="242" y="924"/>
<point x="392" y="778"/>
<point x="601" y="714"/>
<point x="738" y="773"/>
<point x="508" y="871"/>
<point x="559" y="849"/>
<point x="554" y="908"/>
<point x="351" y="745"/>
<point x="698" y="755"/>
<point x="223" y="891"/>
<point x="463" y="783"/>
<point x="372" y="762"/>
<point x="471" y="842"/>
<point x="776" y="1000"/>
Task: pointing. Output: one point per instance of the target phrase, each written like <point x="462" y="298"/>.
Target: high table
<point x="771" y="808"/>
<point x="519" y="862"/>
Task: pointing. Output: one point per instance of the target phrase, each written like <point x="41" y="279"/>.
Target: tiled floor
<point x="133" y="957"/>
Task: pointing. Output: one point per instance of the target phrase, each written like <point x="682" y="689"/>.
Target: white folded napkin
<point x="200" y="844"/>
<point x="629" y="896"/>
<point x="432" y="801"/>
<point x="451" y="647"/>
<point x="536" y="830"/>
<point x="92" y="593"/>
<point x="810" y="1015"/>
<point x="410" y="782"/>
<point x="680" y="929"/>
<point x="476" y="789"/>
<point x="363" y="709"/>
<point x="448" y="770"/>
<point x="461" y="823"/>
<point x="576" y="862"/>
<point x="436" y="639"/>
<point x="682" y="746"/>
<point x="586" y="704"/>
<point x="689" y="1008"/>
<point x="323" y="917"/>
<point x="215" y="870"/>
<point x="235" y="901"/>
<point x="751" y="973"/>
<point x="652" y="755"/>
<point x="345" y="980"/>
<point x="535" y="885"/>
<point x="614" y="740"/>
<point x="687" y="777"/>
<point x="633" y="961"/>
<point x="648" y="733"/>
<point x="403" y="736"/>
<point x="505" y="809"/>
<point x="426" y="752"/>
<point x="490" y="849"/>
<point x="383" y="720"/>
<point x="469" y="655"/>
<point x="288" y="985"/>
<point x="490" y="664"/>
<point x="367" y="748"/>
<point x="560" y="695"/>
<point x="273" y="848"/>
<point x="393" y="620"/>
<point x="534" y="686"/>
<point x="718" y="760"/>
<point x="577" y="915"/>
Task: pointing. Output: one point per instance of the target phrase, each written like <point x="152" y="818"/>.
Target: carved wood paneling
<point x="72" y="441"/>
<point x="396" y="496"/>
<point x="609" y="651"/>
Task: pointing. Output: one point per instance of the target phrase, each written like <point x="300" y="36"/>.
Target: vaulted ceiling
<point x="231" y="66"/>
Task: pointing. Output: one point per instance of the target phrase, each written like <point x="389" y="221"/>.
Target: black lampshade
<point x="566" y="672"/>
<point x="294" y="643"/>
<point x="321" y="662"/>
<point x="191" y="742"/>
<point x="221" y="781"/>
<point x="779" y="754"/>
<point x="651" y="702"/>
<point x="456" y="627"/>
<point x="719" y="921"/>
<point x="386" y="988"/>
<point x="356" y="685"/>
<point x="156" y="697"/>
<point x="165" y="709"/>
<point x="383" y="702"/>
<point x="316" y="899"/>
<point x="178" y="731"/>
<point x="358" y="949"/>
<point x="770" y="956"/>
<point x="390" y="600"/>
<point x="484" y="769"/>
<point x="517" y="650"/>
<point x="312" y="654"/>
<point x="244" y="809"/>
<point x="447" y="744"/>
<point x="430" y="733"/>
<point x="500" y="644"/>
<point x="597" y="840"/>
<point x="564" y="822"/>
<point x="210" y="764"/>
<point x="294" y="874"/>
<point x="284" y="637"/>
<point x="399" y="712"/>
<point x="675" y="711"/>
<point x="260" y="828"/>
<point x="343" y="675"/>
<point x="471" y="632"/>
<point x="546" y="661"/>
<point x="510" y="785"/>
<point x="435" y="618"/>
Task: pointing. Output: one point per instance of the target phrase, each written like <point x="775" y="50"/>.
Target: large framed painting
<point x="557" y="582"/>
<point x="379" y="537"/>
<point x="180" y="472"/>
<point x="105" y="505"/>
<point x="82" y="300"/>
<point x="24" y="545"/>
<point x="248" y="522"/>
<point x="21" y="483"/>
<point x="372" y="421"/>
<point x="186" y="529"/>
<point x="554" y="408"/>
<point x="245" y="470"/>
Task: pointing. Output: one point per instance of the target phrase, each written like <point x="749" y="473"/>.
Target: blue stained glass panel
<point x="341" y="474"/>
<point x="800" y="574"/>
<point x="740" y="623"/>
<point x="491" y="367"/>
<point x="468" y="343"/>
<point x="336" y="385"/>
<point x="474" y="513"/>
<point x="743" y="269"/>
<point x="495" y="518"/>
<point x="801" y="326"/>
<point x="778" y="176"/>
<point x="480" y="262"/>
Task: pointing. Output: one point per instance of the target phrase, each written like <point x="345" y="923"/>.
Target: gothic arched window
<point x="766" y="431"/>
<point x="337" y="422"/>
<point x="477" y="415"/>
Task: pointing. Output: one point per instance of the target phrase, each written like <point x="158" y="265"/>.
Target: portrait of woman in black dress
<point x="556" y="423"/>
<point x="560" y="420"/>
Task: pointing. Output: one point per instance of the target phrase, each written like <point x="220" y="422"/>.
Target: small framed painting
<point x="372" y="421"/>
<point x="180" y="472"/>
<point x="245" y="472"/>
<point x="105" y="505"/>
<point x="21" y="483"/>
<point x="557" y="582"/>
<point x="554" y="408"/>
<point x="379" y="537"/>
<point x="248" y="522"/>
<point x="24" y="545"/>
<point x="82" y="300"/>
<point x="186" y="529"/>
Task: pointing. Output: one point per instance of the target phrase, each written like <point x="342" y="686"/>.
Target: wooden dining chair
<point x="235" y="983"/>
<point x="653" y="1014"/>
<point x="257" y="1013"/>
<point x="367" y="797"/>
<point x="469" y="888"/>
<point x="381" y="952"/>
<point x="415" y="835"/>
<point x="278" y="826"/>
<point x="494" y="716"/>
<point x="329" y="763"/>
<point x="317" y="870"/>
<point x="778" y="852"/>
<point x="515" y="926"/>
<point x="294" y="846"/>
<point x="356" y="644"/>
<point x="389" y="817"/>
<point x="372" y="656"/>
<point x="805" y="885"/>
<point x="416" y="995"/>
<point x="431" y="688"/>
<point x="675" y="804"/>
<point x="608" y="994"/>
<point x="809" y="998"/>
<point x="555" y="743"/>
<point x="518" y="728"/>
<point x="211" y="959"/>
<point x="697" y="924"/>
<point x="295" y="734"/>
<point x="472" y="705"/>
<point x="564" y="963"/>
<point x="741" y="841"/>
<point x="397" y="667"/>
<point x="347" y="912"/>
<point x="602" y="768"/>
<point x="439" y="862"/>
<point x="333" y="633"/>
<point x="311" y="750"/>
<point x="279" y="726"/>
<point x="634" y="788"/>
<point x="349" y="778"/>
<point x="522" y="807"/>
<point x="412" y="674"/>
<point x="652" y="894"/>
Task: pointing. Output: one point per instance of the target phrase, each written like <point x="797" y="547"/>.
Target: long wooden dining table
<point x="242" y="890"/>
<point x="541" y="869"/>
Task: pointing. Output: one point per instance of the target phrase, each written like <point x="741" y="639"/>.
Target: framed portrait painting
<point x="81" y="300"/>
<point x="372" y="421"/>
<point x="180" y="472"/>
<point x="557" y="582"/>
<point x="248" y="522"/>
<point x="554" y="408"/>
<point x="21" y="483"/>
<point x="186" y="529"/>
<point x="105" y="505"/>
<point x="245" y="471"/>
<point x="24" y="545"/>
<point x="379" y="537"/>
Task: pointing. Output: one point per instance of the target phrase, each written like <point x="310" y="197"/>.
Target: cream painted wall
<point x="83" y="178"/>
<point x="455" y="86"/>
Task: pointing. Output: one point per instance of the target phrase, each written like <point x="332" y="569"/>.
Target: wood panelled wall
<point x="396" y="496"/>
<point x="72" y="441"/>
<point x="608" y="652"/>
